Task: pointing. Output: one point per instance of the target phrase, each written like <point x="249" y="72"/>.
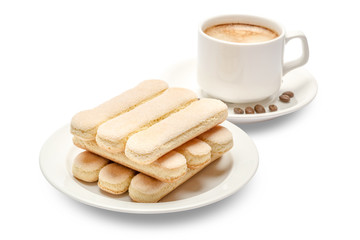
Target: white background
<point x="60" y="57"/>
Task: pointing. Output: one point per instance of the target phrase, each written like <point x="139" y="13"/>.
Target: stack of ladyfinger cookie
<point x="149" y="140"/>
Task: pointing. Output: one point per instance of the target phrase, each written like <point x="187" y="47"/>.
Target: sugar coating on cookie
<point x="148" y="145"/>
<point x="86" y="166"/>
<point x="169" y="168"/>
<point x="171" y="160"/>
<point x="85" y="123"/>
<point x="196" y="152"/>
<point x="147" y="184"/>
<point x="144" y="188"/>
<point x="219" y="138"/>
<point x="115" y="178"/>
<point x="113" y="134"/>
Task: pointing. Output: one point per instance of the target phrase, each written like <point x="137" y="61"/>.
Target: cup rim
<point x="202" y="23"/>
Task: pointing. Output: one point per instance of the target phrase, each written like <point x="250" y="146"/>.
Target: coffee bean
<point x="273" y="108"/>
<point x="284" y="98"/>
<point x="249" y="110"/>
<point x="259" y="108"/>
<point x="238" y="110"/>
<point x="289" y="93"/>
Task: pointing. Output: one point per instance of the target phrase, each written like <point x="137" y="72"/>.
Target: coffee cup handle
<point x="288" y="66"/>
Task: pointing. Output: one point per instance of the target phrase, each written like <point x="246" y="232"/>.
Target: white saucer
<point x="219" y="180"/>
<point x="299" y="81"/>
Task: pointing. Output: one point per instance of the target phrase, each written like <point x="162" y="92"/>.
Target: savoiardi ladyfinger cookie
<point x="85" y="123"/>
<point x="146" y="146"/>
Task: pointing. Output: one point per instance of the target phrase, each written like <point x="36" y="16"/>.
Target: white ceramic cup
<point x="245" y="72"/>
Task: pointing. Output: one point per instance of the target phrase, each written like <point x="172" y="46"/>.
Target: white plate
<point x="216" y="182"/>
<point x="299" y="81"/>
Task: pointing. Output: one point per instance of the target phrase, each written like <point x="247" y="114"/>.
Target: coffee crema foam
<point x="241" y="33"/>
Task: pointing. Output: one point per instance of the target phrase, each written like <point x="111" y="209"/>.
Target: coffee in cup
<point x="241" y="33"/>
<point x="241" y="57"/>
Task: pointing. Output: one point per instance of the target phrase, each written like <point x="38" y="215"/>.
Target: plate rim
<point x="149" y="208"/>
